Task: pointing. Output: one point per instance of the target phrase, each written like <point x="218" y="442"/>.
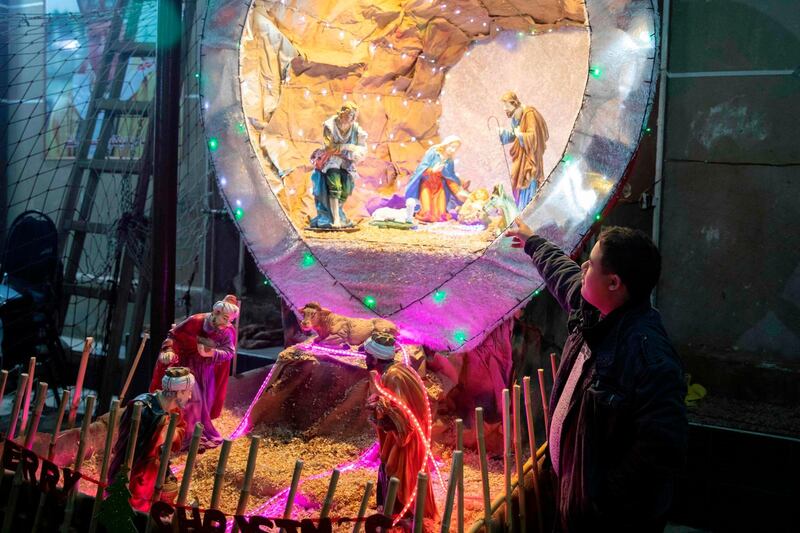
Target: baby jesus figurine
<point x="205" y="344"/>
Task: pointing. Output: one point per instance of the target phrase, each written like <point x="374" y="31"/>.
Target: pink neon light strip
<point x="425" y="440"/>
<point x="244" y="424"/>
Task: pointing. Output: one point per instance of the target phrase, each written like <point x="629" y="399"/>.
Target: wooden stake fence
<point x="76" y="398"/>
<point x="98" y="497"/>
<point x="362" y="510"/>
<point x="21" y="384"/>
<point x="244" y="495"/>
<point x="26" y="400"/>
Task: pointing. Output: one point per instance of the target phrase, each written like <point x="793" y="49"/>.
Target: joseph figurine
<point x="528" y="138"/>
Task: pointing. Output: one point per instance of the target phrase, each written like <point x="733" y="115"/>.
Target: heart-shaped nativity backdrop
<point x="417" y="72"/>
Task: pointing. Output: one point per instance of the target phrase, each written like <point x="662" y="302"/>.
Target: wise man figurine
<point x="205" y="344"/>
<point x="398" y="394"/>
<point x="528" y="138"/>
<point x="335" y="171"/>
<point x="173" y="395"/>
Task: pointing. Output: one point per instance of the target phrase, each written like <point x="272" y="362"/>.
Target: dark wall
<point x="731" y="189"/>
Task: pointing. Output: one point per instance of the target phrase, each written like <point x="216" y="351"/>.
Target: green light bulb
<point x="238" y="213"/>
<point x="595" y="72"/>
<point x="369" y="302"/>
<point x="439" y="296"/>
<point x="597" y="216"/>
<point x="240" y="128"/>
<point x="213" y="144"/>
<point x="460" y="336"/>
<point x="308" y="260"/>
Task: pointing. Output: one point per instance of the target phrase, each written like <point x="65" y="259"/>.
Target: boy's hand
<point x="520" y="232"/>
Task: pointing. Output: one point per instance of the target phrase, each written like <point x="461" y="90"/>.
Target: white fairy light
<point x="341" y="35"/>
<point x="413" y="139"/>
<point x="223" y="181"/>
<point x="324" y="92"/>
<point x="299" y="133"/>
<point x="238" y="203"/>
<point x="405" y="103"/>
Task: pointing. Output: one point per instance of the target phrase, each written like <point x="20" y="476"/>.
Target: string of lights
<point x="439" y="294"/>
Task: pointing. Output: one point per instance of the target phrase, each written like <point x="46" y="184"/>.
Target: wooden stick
<point x="66" y="524"/>
<point x="391" y="496"/>
<point x="26" y="400"/>
<point x="326" y="504"/>
<point x="13" y="497"/>
<point x="419" y="511"/>
<point x="164" y="462"/>
<point x="553" y="365"/>
<point x="244" y="495"/>
<point x="30" y="432"/>
<point x="20" y="392"/>
<point x="362" y="510"/>
<point x="500" y="501"/>
<point x="452" y="484"/>
<point x="133" y="434"/>
<point x="113" y="414"/>
<point x="518" y="456"/>
<point x="526" y="384"/>
<point x="134" y="365"/>
<point x="3" y="381"/>
<point x="219" y="475"/>
<point x="507" y="457"/>
<point x="189" y="466"/>
<point x="460" y="487"/>
<point x="51" y="450"/>
<point x="287" y="512"/>
<point x="76" y="399"/>
<point x="487" y="502"/>
<point x="87" y="420"/>
<point x="545" y="405"/>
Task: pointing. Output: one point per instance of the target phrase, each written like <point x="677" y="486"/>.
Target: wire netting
<point x="77" y="88"/>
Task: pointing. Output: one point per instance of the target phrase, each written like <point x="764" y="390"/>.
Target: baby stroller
<point x="30" y="300"/>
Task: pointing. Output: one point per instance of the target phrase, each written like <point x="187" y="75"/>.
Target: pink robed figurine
<point x="205" y="344"/>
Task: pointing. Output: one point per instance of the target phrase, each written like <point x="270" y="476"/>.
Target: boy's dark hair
<point x="631" y="255"/>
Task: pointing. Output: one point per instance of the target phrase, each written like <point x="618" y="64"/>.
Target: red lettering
<point x="214" y="521"/>
<point x="158" y="512"/>
<point x="11" y="455"/>
<point x="187" y="524"/>
<point x="48" y="478"/>
<point x="324" y="526"/>
<point x="375" y="521"/>
<point x="30" y="464"/>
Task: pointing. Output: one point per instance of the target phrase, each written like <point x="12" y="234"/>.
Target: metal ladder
<point x="75" y="222"/>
